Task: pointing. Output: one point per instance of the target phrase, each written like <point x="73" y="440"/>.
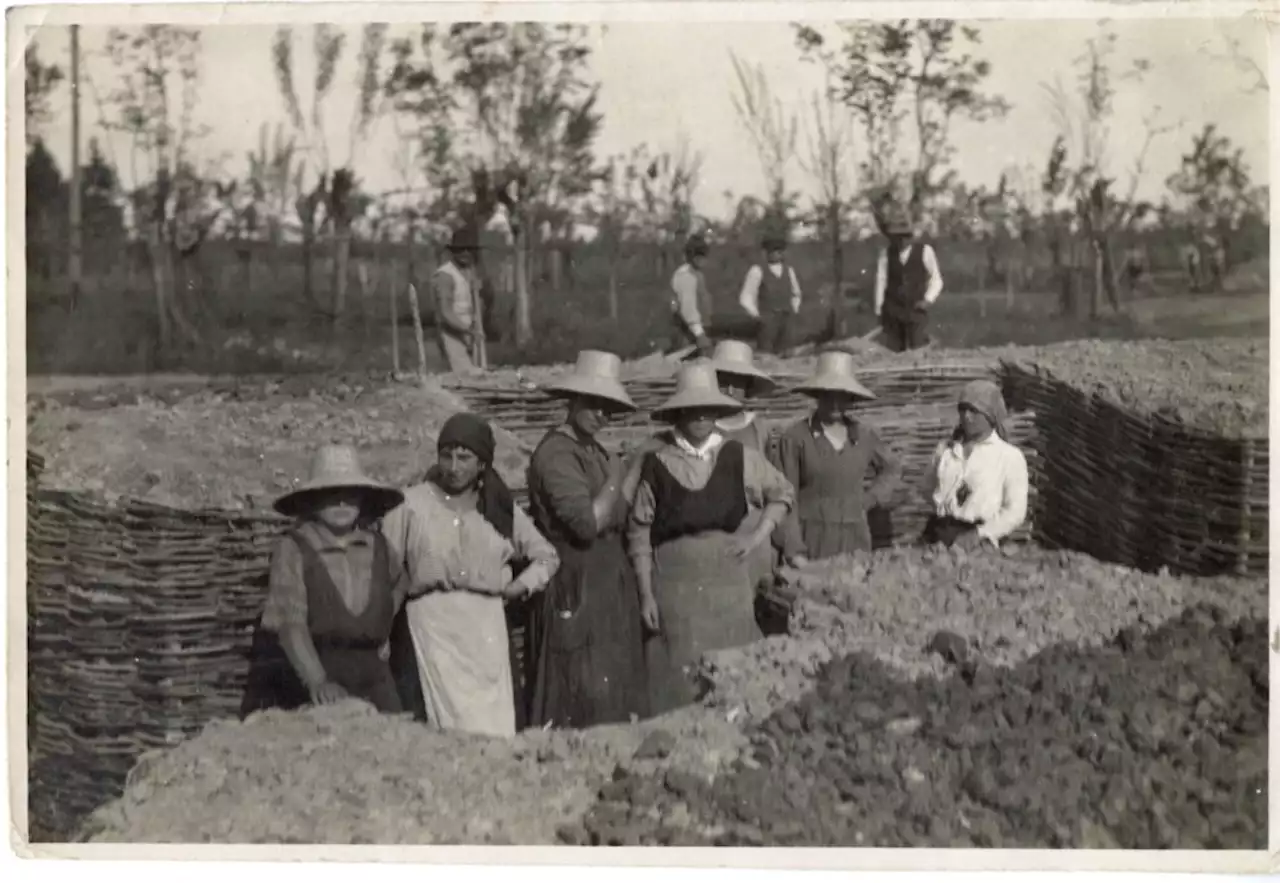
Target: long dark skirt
<point x="586" y="640"/>
<point x="358" y="669"/>
<point x="946" y="530"/>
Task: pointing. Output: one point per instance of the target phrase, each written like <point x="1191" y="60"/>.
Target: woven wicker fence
<point x="140" y="616"/>
<point x="1141" y="490"/>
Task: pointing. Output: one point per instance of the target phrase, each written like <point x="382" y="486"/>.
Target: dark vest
<point x="328" y="617"/>
<point x="905" y="283"/>
<point x="719" y="505"/>
<point x="775" y="294"/>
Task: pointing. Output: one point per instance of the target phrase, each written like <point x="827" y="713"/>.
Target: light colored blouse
<point x="447" y="550"/>
<point x="692" y="467"/>
<point x="989" y="485"/>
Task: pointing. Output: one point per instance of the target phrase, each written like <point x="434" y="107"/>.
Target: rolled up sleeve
<point x="764" y="484"/>
<point x="885" y="490"/>
<point x="685" y="286"/>
<point x="286" y="603"/>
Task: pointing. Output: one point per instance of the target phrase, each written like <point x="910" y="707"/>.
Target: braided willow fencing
<point x="914" y="410"/>
<point x="1143" y="490"/>
<point x="140" y="616"/>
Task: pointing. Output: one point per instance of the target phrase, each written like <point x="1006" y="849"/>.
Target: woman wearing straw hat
<point x="461" y="538"/>
<point x="332" y="594"/>
<point x="829" y="457"/>
<point x="693" y="565"/>
<point x="977" y="483"/>
<point x="586" y="637"/>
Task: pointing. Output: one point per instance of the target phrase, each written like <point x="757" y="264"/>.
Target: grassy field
<point x="255" y="320"/>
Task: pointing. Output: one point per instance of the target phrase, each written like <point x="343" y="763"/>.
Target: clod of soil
<point x="1156" y="741"/>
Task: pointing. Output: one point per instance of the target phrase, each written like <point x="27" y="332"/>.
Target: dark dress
<point x="586" y="635"/>
<point x="347" y="644"/>
<point x="833" y="496"/>
<point x="705" y="597"/>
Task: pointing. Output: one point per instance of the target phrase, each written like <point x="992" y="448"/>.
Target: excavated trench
<point x="1155" y="740"/>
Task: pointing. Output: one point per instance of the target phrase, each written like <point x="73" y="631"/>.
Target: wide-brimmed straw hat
<point x="597" y="374"/>
<point x="337" y="467"/>
<point x="834" y="374"/>
<point x="696" y="389"/>
<point x="735" y="357"/>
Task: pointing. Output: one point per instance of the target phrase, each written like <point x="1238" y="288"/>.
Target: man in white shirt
<point x="977" y="484"/>
<point x="771" y="296"/>
<point x="907" y="283"/>
<point x="690" y="301"/>
<point x="459" y="320"/>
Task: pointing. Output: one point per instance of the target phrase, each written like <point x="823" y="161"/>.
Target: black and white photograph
<point x="734" y="428"/>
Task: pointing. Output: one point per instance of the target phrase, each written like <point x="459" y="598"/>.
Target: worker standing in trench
<point x="907" y="284"/>
<point x="690" y="300"/>
<point x="459" y="312"/>
<point x="771" y="296"/>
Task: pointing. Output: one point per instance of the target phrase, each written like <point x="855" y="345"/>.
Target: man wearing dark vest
<point x="907" y="284"/>
<point x="771" y="296"/>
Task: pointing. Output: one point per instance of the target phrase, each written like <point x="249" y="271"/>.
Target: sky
<point x="661" y="81"/>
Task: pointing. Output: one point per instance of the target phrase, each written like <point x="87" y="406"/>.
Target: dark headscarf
<point x="495" y="501"/>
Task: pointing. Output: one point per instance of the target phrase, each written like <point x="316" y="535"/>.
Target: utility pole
<point x="74" y="268"/>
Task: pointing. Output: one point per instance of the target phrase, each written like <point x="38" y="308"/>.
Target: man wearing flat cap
<point x="907" y="283"/>
<point x="771" y="295"/>
<point x="690" y="300"/>
<point x="459" y="311"/>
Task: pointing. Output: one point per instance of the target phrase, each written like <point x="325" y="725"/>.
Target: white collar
<point x="703" y="451"/>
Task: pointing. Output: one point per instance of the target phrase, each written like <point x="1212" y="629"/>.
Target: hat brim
<point x="722" y="404"/>
<point x="817" y="385"/>
<point x="574" y="387"/>
<point x="898" y="229"/>
<point x="378" y="499"/>
<point x="758" y="383"/>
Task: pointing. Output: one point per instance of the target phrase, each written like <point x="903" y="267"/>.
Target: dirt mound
<point x="239" y="446"/>
<point x="1158" y="740"/>
<point x="1005" y="607"/>
<point x="343" y="774"/>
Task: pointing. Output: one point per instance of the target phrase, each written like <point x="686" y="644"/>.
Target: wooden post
<point x="395" y="325"/>
<point x="75" y="259"/>
<point x="417" y="329"/>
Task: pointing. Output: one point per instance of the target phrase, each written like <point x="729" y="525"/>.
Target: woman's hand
<point x="649" y="612"/>
<point x="515" y="590"/>
<point x="384" y="652"/>
<point x="799" y="561"/>
<point x="327" y="693"/>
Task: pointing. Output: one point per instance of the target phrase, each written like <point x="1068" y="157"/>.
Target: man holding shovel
<point x="907" y="284"/>
<point x="459" y="311"/>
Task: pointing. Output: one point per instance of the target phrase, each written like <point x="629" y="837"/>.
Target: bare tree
<point x="153" y="103"/>
<point x="829" y="162"/>
<point x="38" y="84"/>
<point x="771" y="127"/>
<point x="1084" y="119"/>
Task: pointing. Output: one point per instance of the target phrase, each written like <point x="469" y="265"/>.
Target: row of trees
<point x="497" y="124"/>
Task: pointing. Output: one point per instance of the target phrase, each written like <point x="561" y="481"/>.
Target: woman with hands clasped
<point x="586" y="637"/>
<point x="461" y="539"/>
<point x="977" y="483"/>
<point x="692" y="563"/>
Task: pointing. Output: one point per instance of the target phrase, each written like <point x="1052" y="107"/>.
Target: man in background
<point x="459" y="312"/>
<point x="771" y="296"/>
<point x="690" y="300"/>
<point x="907" y="284"/>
